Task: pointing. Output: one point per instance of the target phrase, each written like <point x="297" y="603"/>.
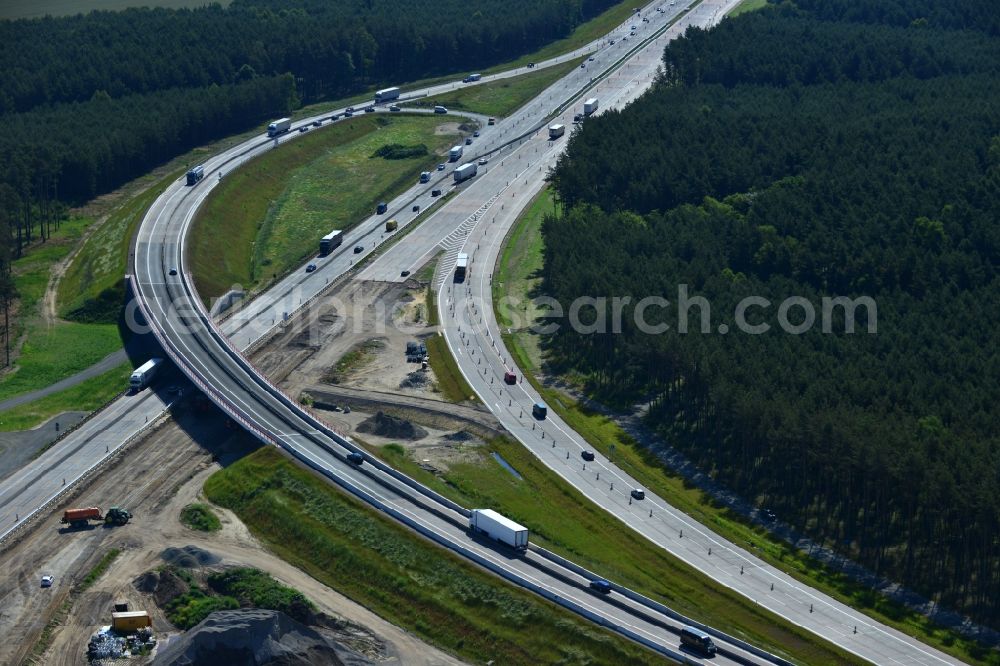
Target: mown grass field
<point x="84" y="397"/>
<point x="747" y="6"/>
<point x="275" y="209"/>
<point x="500" y="98"/>
<point x="402" y="577"/>
<point x="518" y="279"/>
<point x="51" y="351"/>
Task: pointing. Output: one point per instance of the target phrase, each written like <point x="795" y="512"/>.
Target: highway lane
<point x="228" y="162"/>
<point x="207" y="358"/>
<point x="21" y="495"/>
<point x="472" y="333"/>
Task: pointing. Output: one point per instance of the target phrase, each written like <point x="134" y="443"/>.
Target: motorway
<point x="209" y="356"/>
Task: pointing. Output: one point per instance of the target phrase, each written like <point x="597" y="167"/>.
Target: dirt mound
<point x="164" y="586"/>
<point x="384" y="425"/>
<point x="189" y="557"/>
<point x="416" y="379"/>
<point x="255" y="637"/>
<point x="459" y="436"/>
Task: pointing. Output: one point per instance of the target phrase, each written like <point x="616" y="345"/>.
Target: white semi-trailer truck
<point x="465" y="172"/>
<point x="143" y="375"/>
<point x="387" y="95"/>
<point x="499" y="528"/>
<point x="590" y="106"/>
<point x="455" y="153"/>
<point x="279" y="127"/>
<point x="556" y="131"/>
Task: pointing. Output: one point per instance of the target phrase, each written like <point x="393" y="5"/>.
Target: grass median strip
<point x="403" y="577"/>
<point x="268" y="215"/>
<point x="503" y="97"/>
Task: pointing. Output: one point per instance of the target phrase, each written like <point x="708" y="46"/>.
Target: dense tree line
<point x="788" y="155"/>
<point x="89" y="102"/>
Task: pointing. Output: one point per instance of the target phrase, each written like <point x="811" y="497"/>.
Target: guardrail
<point x="658" y="607"/>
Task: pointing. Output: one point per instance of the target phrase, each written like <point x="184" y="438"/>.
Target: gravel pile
<point x="189" y="557"/>
<point x="255" y="637"/>
<point x="391" y="427"/>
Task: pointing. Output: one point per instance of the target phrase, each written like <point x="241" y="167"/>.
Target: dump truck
<point x="391" y="225"/>
<point x="279" y="127"/>
<point x="461" y="266"/>
<point x="590" y="106"/>
<point x="82" y="517"/>
<point x="499" y="528"/>
<point x="455" y="153"/>
<point x="465" y="172"/>
<point x="386" y="95"/>
<point x="130" y="621"/>
<point x="143" y="375"/>
<point x="556" y="131"/>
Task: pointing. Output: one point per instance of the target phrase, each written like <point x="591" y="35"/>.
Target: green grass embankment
<point x="275" y="209"/>
<point x="503" y="97"/>
<point x="403" y="577"/>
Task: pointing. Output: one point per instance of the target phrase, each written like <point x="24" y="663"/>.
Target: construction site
<point x="385" y="393"/>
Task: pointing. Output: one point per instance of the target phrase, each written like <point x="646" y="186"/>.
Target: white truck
<point x="590" y="106"/>
<point x="499" y="528"/>
<point x="465" y="172"/>
<point x="386" y="95"/>
<point x="472" y="77"/>
<point x="143" y="375"/>
<point x="279" y="127"/>
<point x="461" y="266"/>
<point x="425" y="176"/>
<point x="454" y="153"/>
<point x="556" y="131"/>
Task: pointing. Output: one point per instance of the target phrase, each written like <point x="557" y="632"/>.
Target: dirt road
<point x="155" y="479"/>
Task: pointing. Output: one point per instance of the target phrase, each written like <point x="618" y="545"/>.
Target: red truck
<point x="81" y="517"/>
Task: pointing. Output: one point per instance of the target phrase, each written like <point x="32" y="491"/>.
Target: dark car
<point x="468" y="140"/>
<point x="578" y="117"/>
<point x="358" y="249"/>
<point x="435" y="193"/>
<point x="416" y="208"/>
<point x="173" y="271"/>
<point x="531" y="65"/>
<point x="476" y="133"/>
<point x="310" y="268"/>
<point x="304" y="128"/>
<point x="355" y="458"/>
<point x="638" y="494"/>
<point x="509" y="377"/>
<point x="404" y="273"/>
<point x="317" y="123"/>
<point x="601" y="585"/>
<point x="369" y="109"/>
<point x="587" y="455"/>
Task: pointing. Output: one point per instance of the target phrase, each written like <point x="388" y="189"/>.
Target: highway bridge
<point x="209" y="353"/>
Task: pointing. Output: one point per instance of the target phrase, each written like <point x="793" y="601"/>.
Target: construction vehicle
<point x="82" y="517"/>
<point x="117" y="516"/>
<point x="391" y="225"/>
